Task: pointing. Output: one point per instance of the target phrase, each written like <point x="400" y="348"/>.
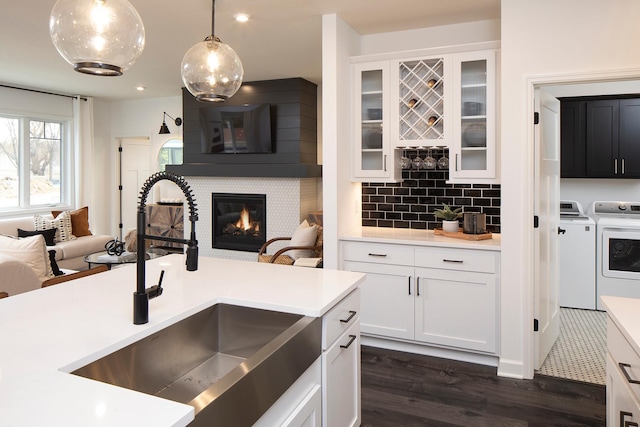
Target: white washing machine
<point x="576" y="257"/>
<point x="617" y="249"/>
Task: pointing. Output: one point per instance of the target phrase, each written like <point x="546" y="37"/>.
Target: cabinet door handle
<point x="622" y="166"/>
<point x="385" y="162"/>
<point x="615" y="166"/>
<point x="418" y="286"/>
<point x="456" y="261"/>
<point x="409" y="285"/>
<point x="348" y="319"/>
<point x="623" y="367"/>
<point x="625" y="423"/>
<point x="352" y="338"/>
<point x="456" y="162"/>
<point x="377" y="255"/>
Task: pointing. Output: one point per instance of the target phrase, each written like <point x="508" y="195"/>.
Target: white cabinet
<point x="309" y="411"/>
<point x="389" y="307"/>
<point x="473" y="148"/>
<point x="341" y="363"/>
<point x="373" y="156"/>
<point x="623" y="380"/>
<point x="426" y="100"/>
<point x="438" y="296"/>
<point x="300" y="405"/>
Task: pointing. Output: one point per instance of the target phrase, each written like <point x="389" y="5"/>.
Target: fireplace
<point x="239" y="221"/>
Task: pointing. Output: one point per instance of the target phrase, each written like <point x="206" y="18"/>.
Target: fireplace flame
<point x="244" y="221"/>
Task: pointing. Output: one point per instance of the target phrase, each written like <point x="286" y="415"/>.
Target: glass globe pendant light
<point x="211" y="70"/>
<point x="99" y="37"/>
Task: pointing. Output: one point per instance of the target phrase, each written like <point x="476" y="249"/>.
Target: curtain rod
<point x="41" y="91"/>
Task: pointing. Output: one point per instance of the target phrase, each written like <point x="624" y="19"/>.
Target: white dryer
<point x="576" y="257"/>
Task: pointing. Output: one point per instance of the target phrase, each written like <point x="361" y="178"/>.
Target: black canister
<point x="474" y="223"/>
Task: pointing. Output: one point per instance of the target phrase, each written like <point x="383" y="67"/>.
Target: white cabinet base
<point x="429" y="350"/>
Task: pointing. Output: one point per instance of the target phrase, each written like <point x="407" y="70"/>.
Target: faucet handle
<point x="192" y="256"/>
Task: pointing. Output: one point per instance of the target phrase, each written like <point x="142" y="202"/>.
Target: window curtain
<point x="83" y="151"/>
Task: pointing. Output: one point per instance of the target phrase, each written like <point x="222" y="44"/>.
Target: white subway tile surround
<point x="289" y="201"/>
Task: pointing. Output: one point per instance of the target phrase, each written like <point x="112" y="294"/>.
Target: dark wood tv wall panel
<point x="294" y="133"/>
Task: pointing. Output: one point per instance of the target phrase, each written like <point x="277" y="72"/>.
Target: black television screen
<point x="236" y="129"/>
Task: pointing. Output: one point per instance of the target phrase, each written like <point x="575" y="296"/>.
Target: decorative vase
<point x="450" y="226"/>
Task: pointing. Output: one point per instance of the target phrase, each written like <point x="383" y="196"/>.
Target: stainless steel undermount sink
<point x="230" y="363"/>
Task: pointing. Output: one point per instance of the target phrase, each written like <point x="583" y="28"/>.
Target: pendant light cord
<point x="213" y="19"/>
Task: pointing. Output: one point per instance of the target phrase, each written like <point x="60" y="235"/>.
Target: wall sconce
<point x="164" y="129"/>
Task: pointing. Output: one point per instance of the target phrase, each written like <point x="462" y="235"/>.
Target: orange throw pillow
<point x="79" y="221"/>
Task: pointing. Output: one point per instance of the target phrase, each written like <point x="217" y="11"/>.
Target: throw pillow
<point x="30" y="250"/>
<point x="79" y="221"/>
<point x="305" y="235"/>
<point x="54" y="264"/>
<point x="49" y="235"/>
<point x="62" y="223"/>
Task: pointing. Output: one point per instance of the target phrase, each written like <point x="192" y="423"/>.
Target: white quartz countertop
<point x="624" y="313"/>
<point x="417" y="237"/>
<point x="50" y="332"/>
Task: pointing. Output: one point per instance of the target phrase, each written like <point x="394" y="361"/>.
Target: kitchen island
<point x="50" y="332"/>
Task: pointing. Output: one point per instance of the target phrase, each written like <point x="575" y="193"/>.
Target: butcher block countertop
<point x="417" y="237"/>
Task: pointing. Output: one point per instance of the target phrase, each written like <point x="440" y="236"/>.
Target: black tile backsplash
<point x="411" y="203"/>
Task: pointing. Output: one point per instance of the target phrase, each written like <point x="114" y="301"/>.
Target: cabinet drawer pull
<point x="624" y="367"/>
<point x="378" y="255"/>
<point x="352" y="338"/>
<point x="348" y="319"/>
<point x="457" y="261"/>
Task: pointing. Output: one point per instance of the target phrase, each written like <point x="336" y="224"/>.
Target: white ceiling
<point x="281" y="40"/>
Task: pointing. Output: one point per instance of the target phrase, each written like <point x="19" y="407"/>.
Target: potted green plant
<point x="449" y="218"/>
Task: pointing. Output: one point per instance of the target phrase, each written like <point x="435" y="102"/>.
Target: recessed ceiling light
<point x="242" y="17"/>
<point x="140" y="88"/>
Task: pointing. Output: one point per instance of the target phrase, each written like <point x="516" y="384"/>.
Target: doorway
<point x="564" y="86"/>
<point x="134" y="166"/>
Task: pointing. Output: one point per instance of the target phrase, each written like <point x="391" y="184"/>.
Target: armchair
<point x="289" y="254"/>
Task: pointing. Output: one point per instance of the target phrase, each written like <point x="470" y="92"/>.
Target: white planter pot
<point x="450" y="226"/>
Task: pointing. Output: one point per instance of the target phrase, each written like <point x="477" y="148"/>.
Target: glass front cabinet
<point x="473" y="148"/>
<point x="447" y="100"/>
<point x="374" y="157"/>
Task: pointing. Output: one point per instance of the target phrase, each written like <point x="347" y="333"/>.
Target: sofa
<point x="68" y="254"/>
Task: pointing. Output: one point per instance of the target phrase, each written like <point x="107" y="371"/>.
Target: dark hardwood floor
<point x="404" y="390"/>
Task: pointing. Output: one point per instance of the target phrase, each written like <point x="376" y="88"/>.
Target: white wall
<point x="339" y="195"/>
<point x="136" y="118"/>
<point x="541" y="38"/>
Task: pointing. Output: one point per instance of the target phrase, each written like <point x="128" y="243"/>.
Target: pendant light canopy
<point x="211" y="70"/>
<point x="100" y="37"/>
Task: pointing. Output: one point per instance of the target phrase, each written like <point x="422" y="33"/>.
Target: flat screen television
<point x="236" y="129"/>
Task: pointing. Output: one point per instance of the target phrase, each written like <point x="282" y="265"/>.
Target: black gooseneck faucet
<point x="142" y="295"/>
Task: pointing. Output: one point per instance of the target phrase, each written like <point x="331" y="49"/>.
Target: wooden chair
<point x="72" y="276"/>
<point x="280" y="257"/>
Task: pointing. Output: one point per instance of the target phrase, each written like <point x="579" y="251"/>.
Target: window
<point x="170" y="153"/>
<point x="32" y="153"/>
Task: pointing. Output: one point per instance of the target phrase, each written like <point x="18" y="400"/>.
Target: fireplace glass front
<point x="239" y="221"/>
